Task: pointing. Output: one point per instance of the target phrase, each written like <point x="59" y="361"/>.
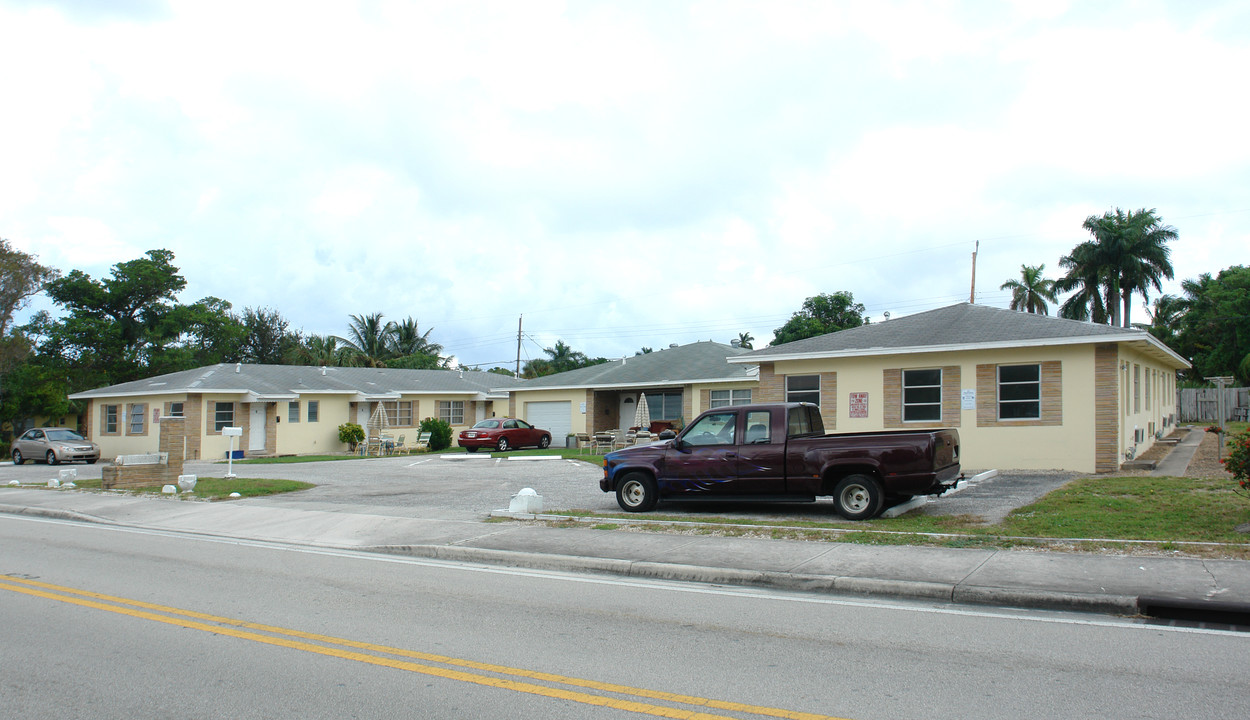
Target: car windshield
<point x="487" y="424"/>
<point x="64" y="435"/>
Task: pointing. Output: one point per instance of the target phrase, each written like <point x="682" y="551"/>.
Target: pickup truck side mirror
<point x="668" y="434"/>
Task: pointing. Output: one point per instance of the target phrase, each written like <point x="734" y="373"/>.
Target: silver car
<point x="54" y="445"/>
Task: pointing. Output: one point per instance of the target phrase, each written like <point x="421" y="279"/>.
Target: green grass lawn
<point x="207" y="488"/>
<point x="1160" y="511"/>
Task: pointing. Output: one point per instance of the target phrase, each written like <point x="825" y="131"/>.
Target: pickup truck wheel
<point x="857" y="497"/>
<point x="637" y="492"/>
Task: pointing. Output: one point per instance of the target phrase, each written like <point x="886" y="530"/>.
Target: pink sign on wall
<point x="859" y="404"/>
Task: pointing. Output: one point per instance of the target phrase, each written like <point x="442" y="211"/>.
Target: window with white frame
<point x="223" y="415"/>
<point x="314" y="410"/>
<point x="451" y="411"/>
<point x="922" y="395"/>
<point x="399" y="413"/>
<point x="175" y="409"/>
<point x="1019" y="392"/>
<point x="722" y="398"/>
<point x="292" y="411"/>
<point x="110" y="419"/>
<point x="803" y="388"/>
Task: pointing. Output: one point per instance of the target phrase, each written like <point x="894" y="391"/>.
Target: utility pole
<point x="518" y="345"/>
<point x="972" y="296"/>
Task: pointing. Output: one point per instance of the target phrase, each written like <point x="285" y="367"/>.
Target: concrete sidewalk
<point x="1214" y="589"/>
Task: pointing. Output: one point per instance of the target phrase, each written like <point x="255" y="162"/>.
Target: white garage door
<point x="556" y="417"/>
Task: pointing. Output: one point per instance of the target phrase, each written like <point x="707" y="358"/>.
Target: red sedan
<point x="503" y="434"/>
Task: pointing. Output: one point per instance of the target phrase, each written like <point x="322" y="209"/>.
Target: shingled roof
<point x="696" y="362"/>
<point x="957" y="327"/>
<point x="287" y="382"/>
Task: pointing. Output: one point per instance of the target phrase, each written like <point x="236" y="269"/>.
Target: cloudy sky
<point x="622" y="174"/>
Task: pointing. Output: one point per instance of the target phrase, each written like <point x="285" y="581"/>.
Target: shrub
<point x="1238" y="460"/>
<point x="352" y="434"/>
<point x="440" y="433"/>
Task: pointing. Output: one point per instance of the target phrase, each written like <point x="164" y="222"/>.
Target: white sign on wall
<point x="968" y="399"/>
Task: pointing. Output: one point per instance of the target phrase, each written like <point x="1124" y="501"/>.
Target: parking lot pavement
<point x="426" y="486"/>
<point x="468" y="489"/>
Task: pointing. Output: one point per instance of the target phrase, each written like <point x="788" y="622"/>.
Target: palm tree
<point x="320" y="350"/>
<point x="1086" y="277"/>
<point x="1031" y="291"/>
<point x="1165" y="319"/>
<point x="367" y="339"/>
<point x="405" y="339"/>
<point x="562" y="357"/>
<point x="1146" y="257"/>
<point x="745" y="341"/>
<point x="1128" y="256"/>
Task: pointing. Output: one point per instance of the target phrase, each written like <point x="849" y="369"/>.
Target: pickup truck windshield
<point x="714" y="429"/>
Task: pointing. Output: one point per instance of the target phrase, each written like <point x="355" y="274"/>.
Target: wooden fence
<point x="1202" y="404"/>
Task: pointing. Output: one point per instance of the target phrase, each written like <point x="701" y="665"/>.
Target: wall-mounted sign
<point x="859" y="404"/>
<point x="968" y="399"/>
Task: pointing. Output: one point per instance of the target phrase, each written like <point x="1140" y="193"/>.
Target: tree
<point x="1165" y="318"/>
<point x="560" y="358"/>
<point x="367" y="337"/>
<point x="405" y="339"/>
<point x="21" y="277"/>
<point x="410" y="348"/>
<point x="746" y="341"/>
<point x="268" y="340"/>
<point x="130" y="325"/>
<point x="1215" y="328"/>
<point x="1128" y="256"/>
<point x="1031" y="292"/>
<point x="33" y="388"/>
<point x="502" y="371"/>
<point x="320" y="350"/>
<point x="820" y="315"/>
<point x="1085" y="277"/>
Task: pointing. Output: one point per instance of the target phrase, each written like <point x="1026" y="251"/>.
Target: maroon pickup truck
<point x="780" y="452"/>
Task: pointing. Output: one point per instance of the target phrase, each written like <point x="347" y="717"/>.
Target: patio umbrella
<point x="377" y="424"/>
<point x="642" y="415"/>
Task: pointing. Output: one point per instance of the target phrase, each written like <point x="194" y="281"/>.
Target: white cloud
<point x="623" y="174"/>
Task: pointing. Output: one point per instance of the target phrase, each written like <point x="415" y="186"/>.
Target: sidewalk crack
<point x="974" y="570"/>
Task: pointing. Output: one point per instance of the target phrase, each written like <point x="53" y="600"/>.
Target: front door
<point x="256" y="435"/>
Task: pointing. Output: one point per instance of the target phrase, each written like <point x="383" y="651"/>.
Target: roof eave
<point x="644" y="384"/>
<point x="958" y="347"/>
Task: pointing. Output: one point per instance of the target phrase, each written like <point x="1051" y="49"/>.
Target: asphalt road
<point x="119" y="623"/>
<point x="426" y="486"/>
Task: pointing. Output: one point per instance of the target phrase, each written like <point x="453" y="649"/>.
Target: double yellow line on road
<point x="352" y="650"/>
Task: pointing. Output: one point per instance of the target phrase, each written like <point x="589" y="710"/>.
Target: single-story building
<point x="680" y="382"/>
<point x="1025" y="391"/>
<point x="283" y="409"/>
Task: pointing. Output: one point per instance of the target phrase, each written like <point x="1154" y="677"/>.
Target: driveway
<point x="426" y="486"/>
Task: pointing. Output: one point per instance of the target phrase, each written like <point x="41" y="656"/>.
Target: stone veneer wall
<point x="172" y="441"/>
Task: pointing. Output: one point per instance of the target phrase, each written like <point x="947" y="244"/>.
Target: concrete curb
<point x="54" y="514"/>
<point x="842" y="585"/>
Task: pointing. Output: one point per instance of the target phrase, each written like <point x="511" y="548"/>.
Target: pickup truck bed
<point x="779" y="452"/>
